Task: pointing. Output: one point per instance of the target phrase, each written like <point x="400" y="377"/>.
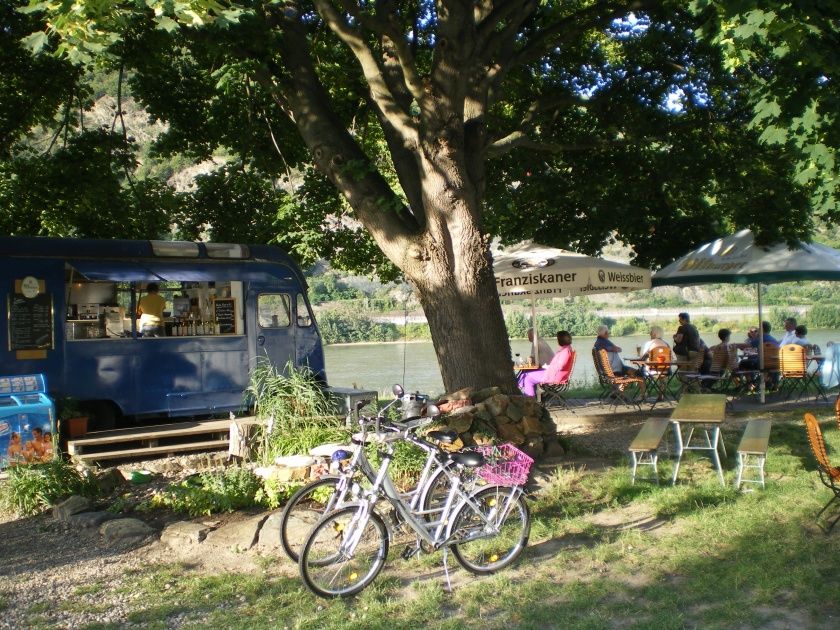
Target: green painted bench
<point x="644" y="449"/>
<point x="752" y="451"/>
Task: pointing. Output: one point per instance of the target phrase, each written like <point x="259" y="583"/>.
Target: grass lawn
<point x="603" y="554"/>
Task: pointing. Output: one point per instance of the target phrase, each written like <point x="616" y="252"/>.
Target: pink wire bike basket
<point x="504" y="464"/>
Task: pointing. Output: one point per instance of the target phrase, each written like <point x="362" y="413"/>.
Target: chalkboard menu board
<point x="224" y="311"/>
<point x="30" y="322"/>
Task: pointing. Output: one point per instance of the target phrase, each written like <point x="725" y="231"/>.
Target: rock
<point x="534" y="446"/>
<point x="511" y="433"/>
<point x="553" y="448"/>
<point x="68" y="507"/>
<point x="531" y="426"/>
<point x="295" y="461"/>
<point x="467" y="439"/>
<point x="482" y="439"/>
<point x="299" y="524"/>
<point x="177" y="534"/>
<point x="326" y="450"/>
<point x="461" y="422"/>
<point x="109" y="480"/>
<point x="461" y="394"/>
<point x="122" y="528"/>
<point x="487" y="427"/>
<point x="457" y="445"/>
<point x="239" y="535"/>
<point x="284" y="473"/>
<point x="269" y="535"/>
<point x="471" y="409"/>
<point x="514" y="411"/>
<point x="86" y="520"/>
<point x="481" y="412"/>
<point x="497" y="404"/>
<point x="530" y="407"/>
<point x="483" y="394"/>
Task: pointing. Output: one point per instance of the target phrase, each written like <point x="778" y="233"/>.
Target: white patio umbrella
<point x="736" y="259"/>
<point x="531" y="271"/>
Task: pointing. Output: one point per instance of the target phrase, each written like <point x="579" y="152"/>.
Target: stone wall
<point x="480" y="417"/>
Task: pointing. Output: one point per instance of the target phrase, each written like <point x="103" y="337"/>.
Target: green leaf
<point x="36" y="41"/>
<point x="167" y="24"/>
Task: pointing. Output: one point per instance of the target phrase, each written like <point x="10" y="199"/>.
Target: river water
<point x="377" y="366"/>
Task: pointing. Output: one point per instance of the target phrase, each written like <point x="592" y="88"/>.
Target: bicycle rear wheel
<point x="484" y="551"/>
<point x="304" y="509"/>
<point x="327" y="569"/>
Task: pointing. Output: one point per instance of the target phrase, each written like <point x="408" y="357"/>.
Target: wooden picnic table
<point x="705" y="413"/>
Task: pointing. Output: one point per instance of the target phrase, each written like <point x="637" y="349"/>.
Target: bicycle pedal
<point x="410" y="552"/>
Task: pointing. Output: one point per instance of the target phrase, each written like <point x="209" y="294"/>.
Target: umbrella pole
<point x="760" y="345"/>
<point x="534" y="327"/>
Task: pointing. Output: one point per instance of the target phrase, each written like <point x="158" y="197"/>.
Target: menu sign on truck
<point x="30" y="314"/>
<point x="224" y="312"/>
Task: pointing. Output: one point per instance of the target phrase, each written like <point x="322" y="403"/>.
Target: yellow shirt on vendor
<point x="151" y="308"/>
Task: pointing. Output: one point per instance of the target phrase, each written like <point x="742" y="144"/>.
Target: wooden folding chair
<point x="829" y="475"/>
<point x="553" y="394"/>
<point x="606" y="388"/>
<point x="771" y="364"/>
<point x="658" y="372"/>
<point x="690" y="378"/>
<point x="618" y="384"/>
<point x="793" y="368"/>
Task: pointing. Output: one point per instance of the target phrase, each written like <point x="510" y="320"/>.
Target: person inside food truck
<point x="150" y="311"/>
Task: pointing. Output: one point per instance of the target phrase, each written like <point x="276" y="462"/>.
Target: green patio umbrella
<point x="736" y="259"/>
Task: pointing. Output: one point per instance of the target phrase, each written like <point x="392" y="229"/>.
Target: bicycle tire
<point x="302" y="512"/>
<point x="491" y="553"/>
<point x="434" y="494"/>
<point x="326" y="571"/>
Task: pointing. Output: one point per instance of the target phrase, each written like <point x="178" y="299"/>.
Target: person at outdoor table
<point x="801" y="337"/>
<point x="686" y="339"/>
<point x="750" y="362"/>
<point x="790" y="332"/>
<point x="602" y="342"/>
<point x="544" y="351"/>
<point x="556" y="372"/>
<point x="731" y="349"/>
<point x="655" y="341"/>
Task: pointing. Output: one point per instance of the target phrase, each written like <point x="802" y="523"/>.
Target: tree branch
<point x="520" y="140"/>
<point x="371" y="69"/>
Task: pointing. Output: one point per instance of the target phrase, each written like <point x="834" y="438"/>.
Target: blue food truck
<point x="70" y="313"/>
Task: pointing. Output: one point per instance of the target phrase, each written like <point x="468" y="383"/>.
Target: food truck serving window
<point x="273" y="310"/>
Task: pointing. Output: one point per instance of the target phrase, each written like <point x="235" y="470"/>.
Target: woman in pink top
<point x="556" y="372"/>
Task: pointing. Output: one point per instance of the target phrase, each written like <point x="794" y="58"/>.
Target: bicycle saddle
<point x="468" y="459"/>
<point x="446" y="437"/>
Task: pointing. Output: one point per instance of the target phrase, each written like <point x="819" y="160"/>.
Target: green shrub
<point x="296" y="413"/>
<point x="275" y="493"/>
<point x="824" y="316"/>
<point x="208" y="493"/>
<point x="32" y="488"/>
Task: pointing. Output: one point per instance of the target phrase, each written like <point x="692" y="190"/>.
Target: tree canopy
<point x="412" y="132"/>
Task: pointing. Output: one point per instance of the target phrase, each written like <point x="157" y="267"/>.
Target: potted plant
<point x="72" y="416"/>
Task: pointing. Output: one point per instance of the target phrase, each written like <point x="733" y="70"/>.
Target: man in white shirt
<point x="790" y="332"/>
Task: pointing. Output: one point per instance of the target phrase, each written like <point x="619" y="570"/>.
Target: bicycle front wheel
<point x="344" y="554"/>
<point x="487" y="548"/>
<point x="304" y="509"/>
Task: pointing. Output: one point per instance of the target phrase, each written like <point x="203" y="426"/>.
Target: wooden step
<point x="150" y="451"/>
<point x="154" y="440"/>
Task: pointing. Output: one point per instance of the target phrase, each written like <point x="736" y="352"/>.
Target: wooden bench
<point x="754" y="444"/>
<point x="644" y="450"/>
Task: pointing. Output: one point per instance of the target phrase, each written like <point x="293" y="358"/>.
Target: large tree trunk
<point x="465" y="319"/>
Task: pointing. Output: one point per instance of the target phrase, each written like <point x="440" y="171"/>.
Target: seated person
<point x="750" y="362"/>
<point x="556" y="372"/>
<point x="731" y="349"/>
<point x="656" y="341"/>
<point x="801" y="336"/>
<point x="602" y="342"/>
<point x="544" y="352"/>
